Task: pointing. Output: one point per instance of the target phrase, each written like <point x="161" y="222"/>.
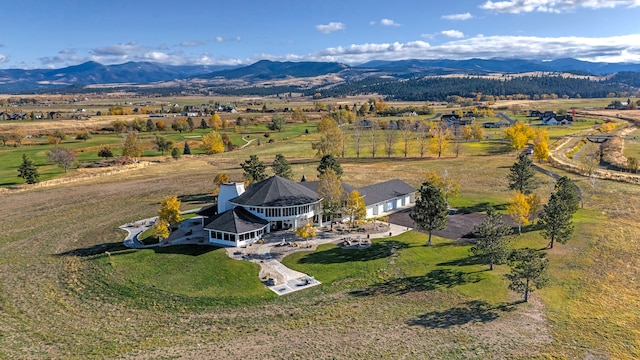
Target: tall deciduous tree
<point x="180" y="125"/>
<point x="169" y="210"/>
<point x="306" y="231"/>
<point x="519" y="209"/>
<point x="331" y="138"/>
<point x="493" y="239"/>
<point x="357" y="137"/>
<point x="330" y="162"/>
<point x="519" y="134"/>
<point x="390" y="142"/>
<point x="130" y="146"/>
<point x="449" y="186"/>
<point x="355" y="208"/>
<point x="212" y="143"/>
<point x="281" y="167"/>
<point x="430" y="212"/>
<point x="332" y="193"/>
<point x="62" y="157"/>
<point x="277" y="123"/>
<point x="529" y="271"/>
<point x="373" y="132"/>
<point x="556" y="220"/>
<point x="477" y="131"/>
<point x="440" y="141"/>
<point x="540" y="147"/>
<point x="161" y="229"/>
<point x="215" y="122"/>
<point x="407" y="130"/>
<point x="163" y="144"/>
<point x="28" y="170"/>
<point x="521" y="175"/>
<point x="254" y="169"/>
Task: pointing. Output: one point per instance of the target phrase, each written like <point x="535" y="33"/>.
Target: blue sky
<point x="58" y="33"/>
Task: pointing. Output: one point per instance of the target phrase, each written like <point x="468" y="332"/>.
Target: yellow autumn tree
<point x="212" y="143"/>
<point x="519" y="134"/>
<point x="306" y="231"/>
<point x="449" y="186"/>
<point x="169" y="210"/>
<point x="519" y="209"/>
<point x="215" y="122"/>
<point x="540" y="147"/>
<point x="161" y="230"/>
<point x="355" y="208"/>
<point x="220" y="179"/>
<point x="440" y="139"/>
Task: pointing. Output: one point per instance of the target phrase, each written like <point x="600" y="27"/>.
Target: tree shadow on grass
<point x="434" y="279"/>
<point x="197" y="198"/>
<point x="114" y="247"/>
<point x="475" y="311"/>
<point x="482" y="207"/>
<point x="192" y="250"/>
<point x="465" y="261"/>
<point x="377" y="250"/>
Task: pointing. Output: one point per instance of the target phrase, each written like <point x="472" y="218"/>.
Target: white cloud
<point x="388" y="22"/>
<point x="219" y="39"/>
<point x="453" y="34"/>
<point x="610" y="49"/>
<point x="117" y="50"/>
<point x="553" y="6"/>
<point x="193" y="43"/>
<point x="465" y="16"/>
<point x="4" y="58"/>
<point x="330" y="27"/>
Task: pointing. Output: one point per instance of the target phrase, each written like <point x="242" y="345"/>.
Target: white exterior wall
<point x="228" y="191"/>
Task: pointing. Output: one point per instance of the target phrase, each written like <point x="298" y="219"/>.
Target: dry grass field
<point x="64" y="293"/>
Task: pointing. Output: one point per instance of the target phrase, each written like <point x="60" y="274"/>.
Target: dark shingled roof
<point x="237" y="221"/>
<point x="387" y="190"/>
<point x="313" y="185"/>
<point x="276" y="192"/>
<point x="208" y="211"/>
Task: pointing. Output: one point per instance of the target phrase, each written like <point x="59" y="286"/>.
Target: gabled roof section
<point x="237" y="221"/>
<point x="208" y="211"/>
<point x="387" y="190"/>
<point x="276" y="192"/>
<point x="313" y="185"/>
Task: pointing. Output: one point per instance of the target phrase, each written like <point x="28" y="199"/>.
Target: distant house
<point x="558" y="120"/>
<point x="16" y="116"/>
<point x="366" y="124"/>
<point x="243" y="217"/>
<point x="55" y="115"/>
<point x="454" y="120"/>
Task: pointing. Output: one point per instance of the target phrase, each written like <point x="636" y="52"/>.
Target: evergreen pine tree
<point x="521" y="175"/>
<point x="430" y="212"/>
<point x="282" y="167"/>
<point x="28" y="170"/>
<point x="187" y="149"/>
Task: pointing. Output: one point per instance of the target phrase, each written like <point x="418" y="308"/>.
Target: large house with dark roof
<point x="243" y="217"/>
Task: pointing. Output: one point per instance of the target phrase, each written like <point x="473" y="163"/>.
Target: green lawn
<point x="178" y="276"/>
<point x="402" y="264"/>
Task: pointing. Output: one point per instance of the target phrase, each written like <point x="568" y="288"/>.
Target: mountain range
<point x="137" y="73"/>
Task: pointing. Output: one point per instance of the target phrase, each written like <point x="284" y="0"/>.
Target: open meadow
<point x="70" y="289"/>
